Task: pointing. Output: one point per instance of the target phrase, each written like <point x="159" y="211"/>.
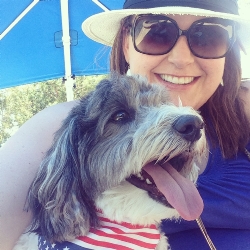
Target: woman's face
<point x="186" y="76"/>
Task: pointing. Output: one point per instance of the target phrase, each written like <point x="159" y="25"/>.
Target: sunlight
<point x="244" y="9"/>
<point x="245" y="61"/>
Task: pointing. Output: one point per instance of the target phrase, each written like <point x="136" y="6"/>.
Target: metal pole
<point x="100" y="5"/>
<point x="9" y="28"/>
<point x="69" y="81"/>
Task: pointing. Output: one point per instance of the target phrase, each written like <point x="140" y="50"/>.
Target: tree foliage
<point x="19" y="104"/>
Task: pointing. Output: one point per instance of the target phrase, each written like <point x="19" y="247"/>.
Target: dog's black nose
<point x="189" y="127"/>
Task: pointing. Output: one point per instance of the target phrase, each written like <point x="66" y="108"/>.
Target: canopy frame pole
<point x="10" y="27"/>
<point x="100" y="5"/>
<point x="68" y="78"/>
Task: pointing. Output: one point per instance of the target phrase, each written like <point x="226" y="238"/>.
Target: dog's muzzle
<point x="188" y="127"/>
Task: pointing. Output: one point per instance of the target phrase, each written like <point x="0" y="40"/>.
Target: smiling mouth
<point x="178" y="80"/>
<point x="144" y="181"/>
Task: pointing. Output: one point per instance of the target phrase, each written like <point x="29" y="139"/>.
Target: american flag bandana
<point x="110" y="235"/>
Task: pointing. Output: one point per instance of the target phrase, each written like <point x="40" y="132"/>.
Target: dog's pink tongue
<point x="180" y="192"/>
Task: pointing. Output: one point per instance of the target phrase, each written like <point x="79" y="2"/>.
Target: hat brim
<point x="104" y="26"/>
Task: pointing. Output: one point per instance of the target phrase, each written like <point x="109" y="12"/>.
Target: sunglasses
<point x="208" y="38"/>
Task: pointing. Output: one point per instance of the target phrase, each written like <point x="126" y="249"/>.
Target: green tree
<point x="19" y="104"/>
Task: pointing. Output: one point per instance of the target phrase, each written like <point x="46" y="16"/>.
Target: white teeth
<point x="148" y="181"/>
<point x="140" y="176"/>
<point x="177" y="80"/>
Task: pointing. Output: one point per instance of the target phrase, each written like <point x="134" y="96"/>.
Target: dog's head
<point x="118" y="132"/>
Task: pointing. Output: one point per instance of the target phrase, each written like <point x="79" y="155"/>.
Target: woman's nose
<point x="181" y="55"/>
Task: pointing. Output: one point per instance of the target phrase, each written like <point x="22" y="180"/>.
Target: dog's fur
<point x="112" y="133"/>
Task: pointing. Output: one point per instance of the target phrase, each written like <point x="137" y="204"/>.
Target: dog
<point x="110" y="163"/>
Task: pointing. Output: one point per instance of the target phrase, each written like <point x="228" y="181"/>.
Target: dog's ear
<point x="62" y="195"/>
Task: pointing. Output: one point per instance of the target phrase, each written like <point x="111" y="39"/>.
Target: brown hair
<point x="117" y="61"/>
<point x="224" y="112"/>
<point x="224" y="115"/>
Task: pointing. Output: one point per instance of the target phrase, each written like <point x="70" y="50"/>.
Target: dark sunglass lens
<point x="210" y="40"/>
<point x="154" y="36"/>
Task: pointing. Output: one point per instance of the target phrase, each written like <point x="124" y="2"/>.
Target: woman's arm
<point x="20" y="158"/>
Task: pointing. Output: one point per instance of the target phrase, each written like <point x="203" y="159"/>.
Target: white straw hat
<point x="103" y="27"/>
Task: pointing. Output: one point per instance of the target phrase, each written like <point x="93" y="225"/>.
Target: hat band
<point x="225" y="6"/>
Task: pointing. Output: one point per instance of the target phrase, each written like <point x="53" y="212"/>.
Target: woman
<point x="202" y="67"/>
<point x="204" y="78"/>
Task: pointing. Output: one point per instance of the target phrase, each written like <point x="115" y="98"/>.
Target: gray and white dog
<point x="111" y="154"/>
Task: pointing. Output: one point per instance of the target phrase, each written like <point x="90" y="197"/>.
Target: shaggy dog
<point x="109" y="164"/>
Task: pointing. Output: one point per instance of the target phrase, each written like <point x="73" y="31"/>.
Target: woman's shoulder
<point x="34" y="137"/>
<point x="20" y="158"/>
<point x="49" y="120"/>
<point x="59" y="110"/>
<point x="44" y="124"/>
<point x="51" y="117"/>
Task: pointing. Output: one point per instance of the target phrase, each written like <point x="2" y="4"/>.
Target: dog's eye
<point x="120" y="115"/>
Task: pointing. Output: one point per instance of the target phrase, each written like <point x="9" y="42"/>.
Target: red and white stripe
<point x="124" y="236"/>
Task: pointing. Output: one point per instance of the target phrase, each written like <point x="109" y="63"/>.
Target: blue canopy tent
<point x="42" y="40"/>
